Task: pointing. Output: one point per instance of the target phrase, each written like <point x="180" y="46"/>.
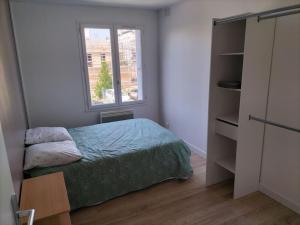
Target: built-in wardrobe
<point x="254" y="119"/>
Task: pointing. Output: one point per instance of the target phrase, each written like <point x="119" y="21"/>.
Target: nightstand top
<point x="46" y="194"/>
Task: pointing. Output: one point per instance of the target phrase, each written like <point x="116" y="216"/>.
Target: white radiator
<point x="111" y="116"/>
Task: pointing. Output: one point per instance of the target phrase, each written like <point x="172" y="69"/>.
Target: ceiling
<point x="136" y="3"/>
<point x="151" y="4"/>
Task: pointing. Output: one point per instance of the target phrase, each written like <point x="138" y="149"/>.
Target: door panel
<point x="281" y="165"/>
<point x="256" y="71"/>
<point x="6" y="188"/>
<point x="280" y="174"/>
<point x="284" y="91"/>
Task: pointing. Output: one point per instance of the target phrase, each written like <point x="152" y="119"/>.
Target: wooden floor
<point x="187" y="203"/>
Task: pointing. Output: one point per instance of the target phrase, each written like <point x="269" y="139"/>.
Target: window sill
<point x="98" y="108"/>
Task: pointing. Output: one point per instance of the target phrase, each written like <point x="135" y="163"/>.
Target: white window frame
<point x="115" y="67"/>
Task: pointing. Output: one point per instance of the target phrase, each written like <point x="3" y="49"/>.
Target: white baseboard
<point x="196" y="150"/>
<point x="284" y="201"/>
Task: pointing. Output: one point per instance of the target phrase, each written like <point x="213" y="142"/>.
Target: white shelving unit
<point x="241" y="149"/>
<point x="224" y="104"/>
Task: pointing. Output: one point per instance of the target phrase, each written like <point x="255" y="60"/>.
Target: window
<point x="102" y="57"/>
<point x="89" y="59"/>
<point x="115" y="76"/>
<point x="129" y="42"/>
<point x="100" y="75"/>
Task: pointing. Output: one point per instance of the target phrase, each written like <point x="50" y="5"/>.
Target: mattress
<point x="120" y="157"/>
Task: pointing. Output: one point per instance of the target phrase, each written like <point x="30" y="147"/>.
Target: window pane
<point x="130" y="64"/>
<point x="99" y="61"/>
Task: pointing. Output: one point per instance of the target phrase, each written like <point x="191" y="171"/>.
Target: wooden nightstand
<point x="48" y="196"/>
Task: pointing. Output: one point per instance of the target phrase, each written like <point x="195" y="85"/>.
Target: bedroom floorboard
<point x="187" y="203"/>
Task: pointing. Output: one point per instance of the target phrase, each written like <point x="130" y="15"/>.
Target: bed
<point x="118" y="158"/>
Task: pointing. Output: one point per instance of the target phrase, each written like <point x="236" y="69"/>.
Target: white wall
<point x="185" y="40"/>
<point x="48" y="47"/>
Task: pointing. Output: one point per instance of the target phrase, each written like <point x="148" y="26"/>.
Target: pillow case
<point x="51" y="154"/>
<point x="46" y="134"/>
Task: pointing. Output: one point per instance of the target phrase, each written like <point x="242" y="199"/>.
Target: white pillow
<point x="46" y="134"/>
<point x="51" y="154"/>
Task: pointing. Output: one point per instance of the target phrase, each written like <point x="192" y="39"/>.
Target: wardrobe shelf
<point x="232" y="54"/>
<point x="230" y="118"/>
<point x="227" y="163"/>
<point x="229" y="89"/>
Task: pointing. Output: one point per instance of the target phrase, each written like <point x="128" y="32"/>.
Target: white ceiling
<point x="136" y="3"/>
<point x="152" y="4"/>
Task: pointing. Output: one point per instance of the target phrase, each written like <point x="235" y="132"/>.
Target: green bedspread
<point x="119" y="158"/>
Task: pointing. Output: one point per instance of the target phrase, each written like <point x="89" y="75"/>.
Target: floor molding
<point x="284" y="201"/>
<point x="196" y="150"/>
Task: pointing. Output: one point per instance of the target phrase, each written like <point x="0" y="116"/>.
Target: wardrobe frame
<point x="225" y="159"/>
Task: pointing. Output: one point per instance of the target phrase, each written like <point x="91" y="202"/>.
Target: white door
<point x="256" y="72"/>
<point x="280" y="173"/>
<point x="6" y="186"/>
